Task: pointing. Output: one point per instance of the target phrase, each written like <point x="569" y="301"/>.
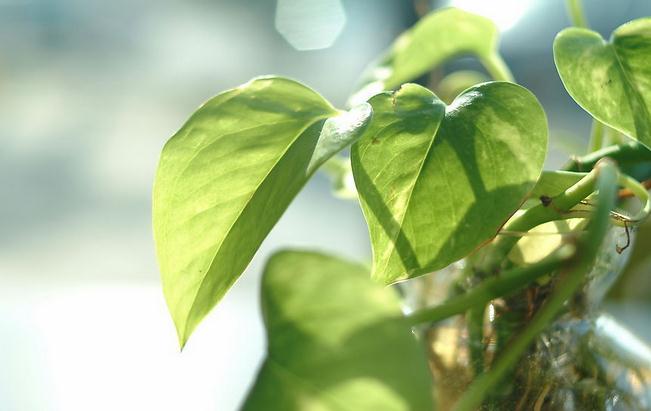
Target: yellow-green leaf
<point x="228" y="175"/>
<point x="441" y="35"/>
<point x="610" y="80"/>
<point x="435" y="181"/>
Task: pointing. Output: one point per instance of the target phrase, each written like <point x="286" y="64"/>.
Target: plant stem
<point x="506" y="283"/>
<point x="632" y="152"/>
<point x="497" y="67"/>
<point x="596" y="136"/>
<point x="554" y="209"/>
<point x="566" y="287"/>
<point x="575" y="9"/>
<point x="475" y="321"/>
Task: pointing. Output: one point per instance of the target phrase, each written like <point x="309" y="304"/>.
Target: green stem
<point x="497" y="67"/>
<point x="505" y="284"/>
<point x="596" y="136"/>
<point x="554" y="209"/>
<point x="627" y="153"/>
<point x="575" y="9"/>
<point x="475" y="321"/>
<point x="565" y="289"/>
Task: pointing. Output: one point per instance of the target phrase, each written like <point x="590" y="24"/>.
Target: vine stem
<point x="514" y="279"/>
<point x="570" y="281"/>
<point x="554" y="209"/>
<point x="497" y="67"/>
<point x="596" y="136"/>
<point x="632" y="152"/>
<point x="494" y="287"/>
<point x="575" y="9"/>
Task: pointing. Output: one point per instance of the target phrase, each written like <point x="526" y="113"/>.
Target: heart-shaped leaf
<point x="611" y="81"/>
<point x="441" y="35"/>
<point x="335" y="341"/>
<point x="437" y="181"/>
<point x="228" y="175"/>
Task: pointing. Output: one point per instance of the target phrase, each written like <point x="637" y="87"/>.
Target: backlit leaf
<point x="610" y="80"/>
<point x="441" y="35"/>
<point x="228" y="175"/>
<point x="437" y="181"/>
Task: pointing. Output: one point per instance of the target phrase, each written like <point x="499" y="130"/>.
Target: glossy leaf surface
<point x="439" y="36"/>
<point x="437" y="181"/>
<point x="334" y="341"/>
<point x="227" y="176"/>
<point x="610" y="80"/>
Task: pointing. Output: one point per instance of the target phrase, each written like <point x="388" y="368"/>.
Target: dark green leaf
<point x="227" y="176"/>
<point x="439" y="36"/>
<point x="437" y="181"/>
<point x="335" y="341"/>
<point x="612" y="81"/>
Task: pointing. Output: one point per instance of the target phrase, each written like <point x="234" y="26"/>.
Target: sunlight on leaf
<point x="610" y="80"/>
<point x="435" y="181"/>
<point x="227" y="176"/>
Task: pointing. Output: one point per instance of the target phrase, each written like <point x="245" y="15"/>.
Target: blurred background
<point x="90" y="91"/>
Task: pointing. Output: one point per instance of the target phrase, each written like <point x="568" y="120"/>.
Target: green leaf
<point x="228" y="175"/>
<point x="336" y="341"/>
<point x="441" y="35"/>
<point x="611" y="81"/>
<point x="437" y="181"/>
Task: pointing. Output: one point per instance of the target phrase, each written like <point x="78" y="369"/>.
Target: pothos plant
<point x="439" y="177"/>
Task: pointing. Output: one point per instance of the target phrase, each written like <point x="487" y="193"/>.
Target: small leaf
<point x="437" y="181"/>
<point x="611" y="81"/>
<point x="441" y="35"/>
<point x="335" y="341"/>
<point x="228" y="175"/>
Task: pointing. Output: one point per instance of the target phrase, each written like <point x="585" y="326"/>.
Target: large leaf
<point x="335" y="341"/>
<point x="437" y="181"/>
<point x="612" y="81"/>
<point x="227" y="176"/>
<point x="439" y="36"/>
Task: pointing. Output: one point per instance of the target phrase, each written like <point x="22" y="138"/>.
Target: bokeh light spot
<point x="310" y="24"/>
<point x="505" y="13"/>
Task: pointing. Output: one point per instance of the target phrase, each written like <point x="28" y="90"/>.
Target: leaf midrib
<point x="410" y="196"/>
